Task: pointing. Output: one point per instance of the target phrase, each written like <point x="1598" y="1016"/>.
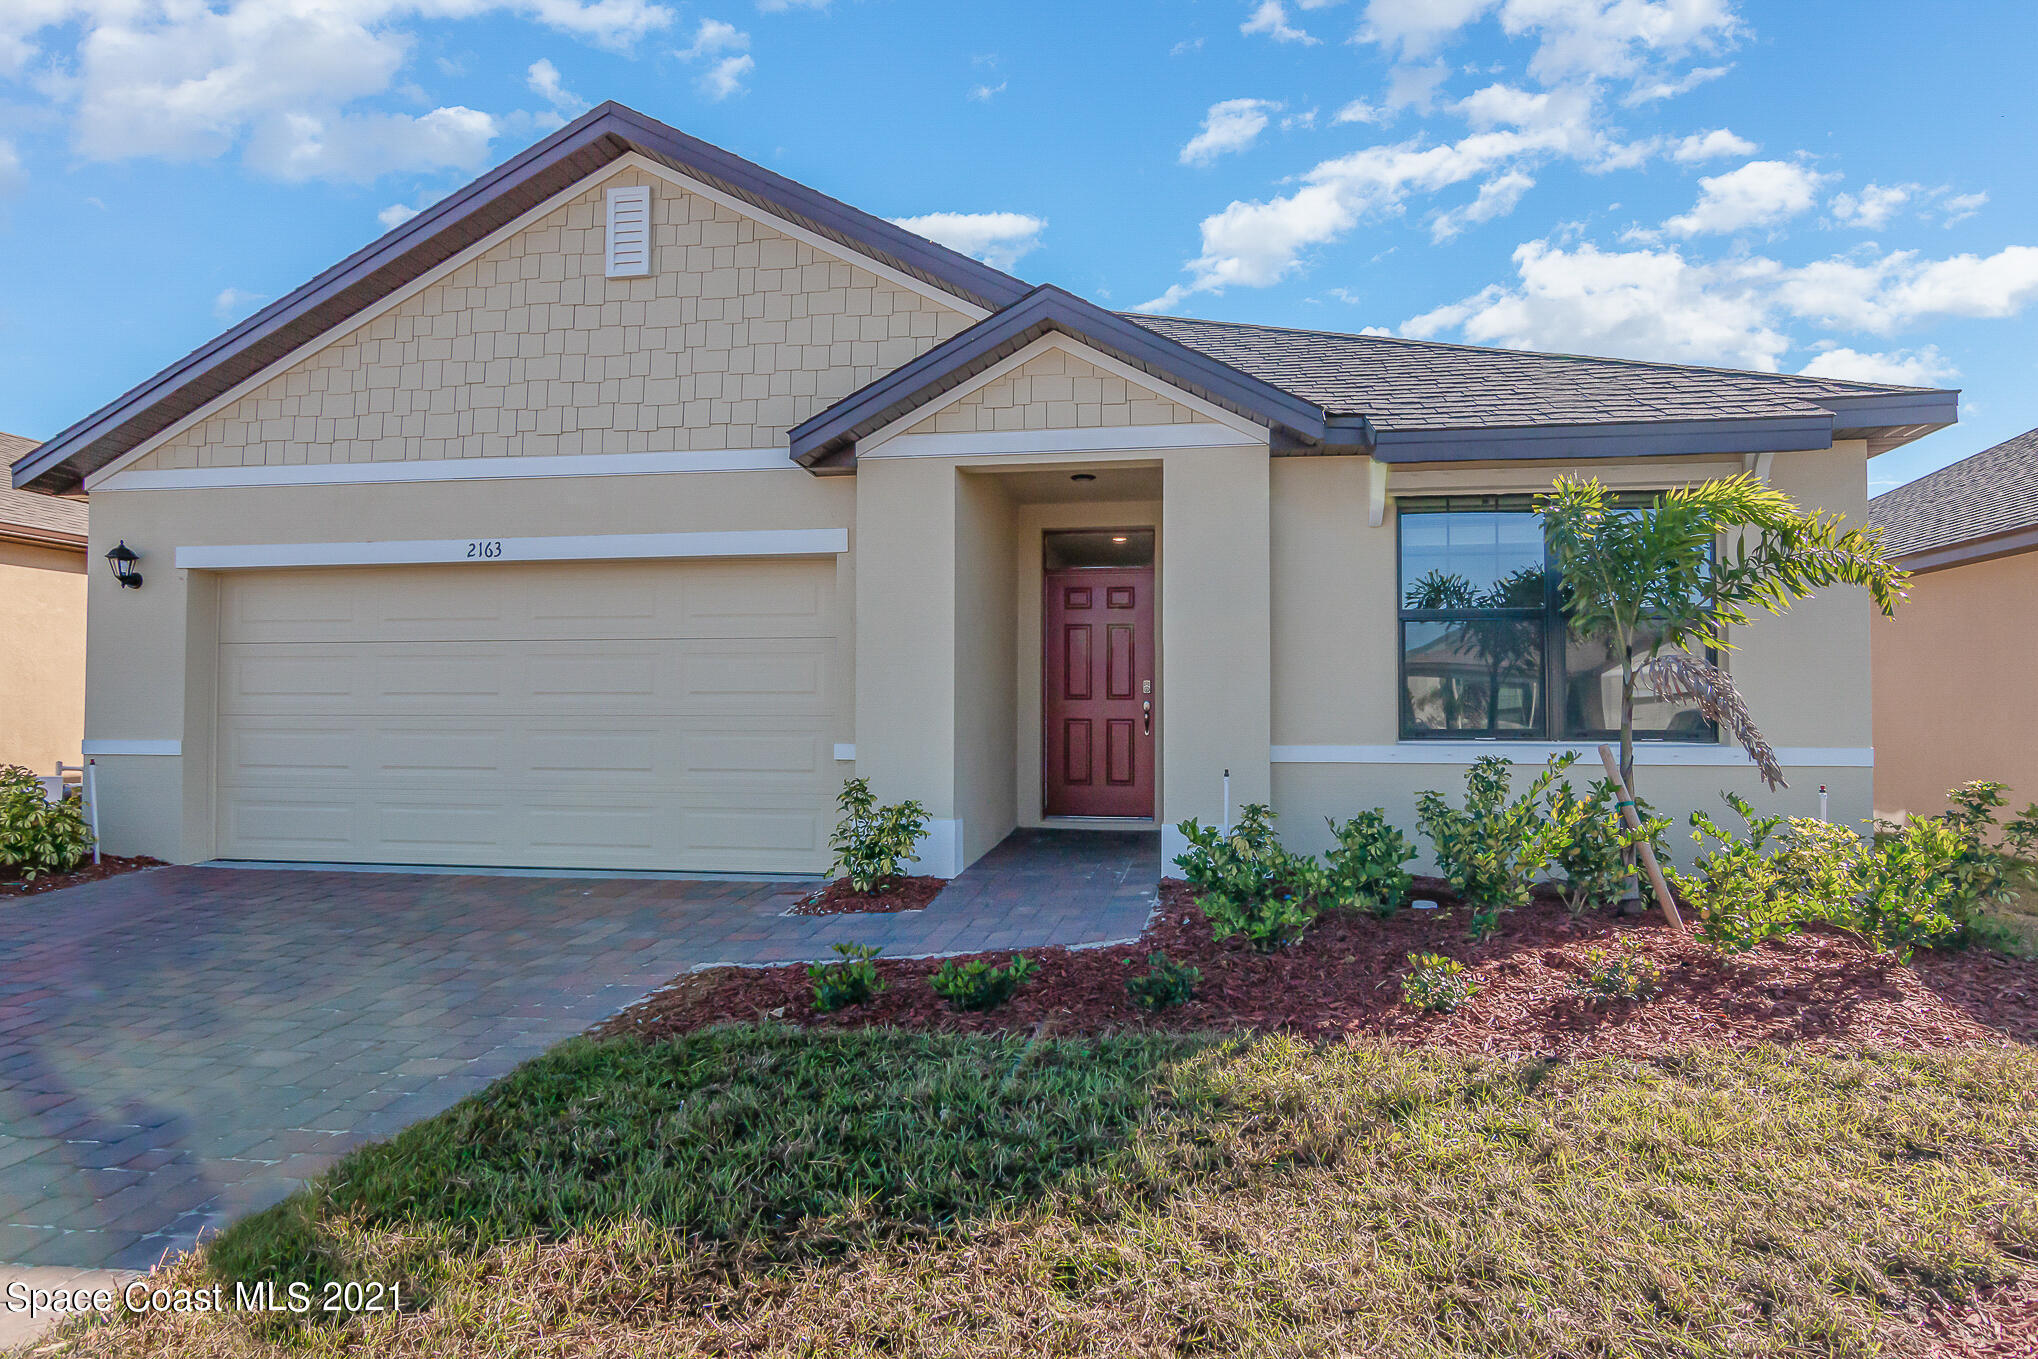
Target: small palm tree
<point x="1646" y="583"/>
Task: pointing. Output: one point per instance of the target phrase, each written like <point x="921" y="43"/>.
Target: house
<point x="613" y="511"/>
<point x="42" y="623"/>
<point x="1953" y="667"/>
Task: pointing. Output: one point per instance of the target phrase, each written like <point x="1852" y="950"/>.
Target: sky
<point x="1840" y="187"/>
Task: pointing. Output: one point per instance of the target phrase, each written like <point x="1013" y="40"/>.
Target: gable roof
<point x="1982" y="506"/>
<point x="31" y="516"/>
<point x="593" y="140"/>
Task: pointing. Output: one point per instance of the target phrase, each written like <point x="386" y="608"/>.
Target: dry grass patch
<point x="890" y="1194"/>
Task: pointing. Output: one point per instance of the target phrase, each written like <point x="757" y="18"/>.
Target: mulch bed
<point x="1344" y="977"/>
<point x="2000" y="1324"/>
<point x="894" y="894"/>
<point x="109" y="866"/>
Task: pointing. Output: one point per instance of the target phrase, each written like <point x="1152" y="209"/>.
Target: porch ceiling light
<point x="1118" y="538"/>
<point x="123" y="559"/>
<point x="1083" y="476"/>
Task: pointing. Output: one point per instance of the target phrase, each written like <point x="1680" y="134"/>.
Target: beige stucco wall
<point x="986" y="664"/>
<point x="1057" y="389"/>
<point x="1953" y="674"/>
<point x="42" y="655"/>
<point x="527" y="349"/>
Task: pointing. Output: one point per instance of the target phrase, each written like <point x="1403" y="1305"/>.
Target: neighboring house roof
<point x="31" y="516"/>
<point x="1402" y="400"/>
<point x="1982" y="506"/>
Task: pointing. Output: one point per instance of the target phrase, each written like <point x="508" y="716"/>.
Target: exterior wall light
<point x="123" y="558"/>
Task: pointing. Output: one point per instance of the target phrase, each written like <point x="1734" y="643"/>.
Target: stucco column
<point x="905" y="643"/>
<point x="1215" y="635"/>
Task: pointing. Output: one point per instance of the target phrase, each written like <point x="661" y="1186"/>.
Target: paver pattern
<point x="181" y="1046"/>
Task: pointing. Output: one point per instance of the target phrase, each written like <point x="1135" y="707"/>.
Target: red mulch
<point x="893" y="894"/>
<point x="2001" y="1324"/>
<point x="109" y="866"/>
<point x="1344" y="977"/>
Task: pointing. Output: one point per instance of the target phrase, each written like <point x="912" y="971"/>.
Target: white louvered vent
<point x="629" y="231"/>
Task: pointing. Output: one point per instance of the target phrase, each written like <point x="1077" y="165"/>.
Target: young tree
<point x="1645" y="582"/>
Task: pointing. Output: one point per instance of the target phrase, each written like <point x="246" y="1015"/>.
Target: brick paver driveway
<point x="181" y="1046"/>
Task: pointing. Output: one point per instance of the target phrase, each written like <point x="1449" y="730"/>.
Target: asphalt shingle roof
<point x="1992" y="492"/>
<point x="31" y="509"/>
<point x="1422" y="384"/>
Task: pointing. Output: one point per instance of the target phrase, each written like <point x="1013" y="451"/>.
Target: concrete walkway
<point x="182" y="1046"/>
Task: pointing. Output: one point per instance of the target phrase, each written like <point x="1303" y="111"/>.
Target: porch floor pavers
<point x="181" y="1046"/>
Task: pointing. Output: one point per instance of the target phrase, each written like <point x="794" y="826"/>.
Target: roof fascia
<point x="2008" y="543"/>
<point x="1669" y="438"/>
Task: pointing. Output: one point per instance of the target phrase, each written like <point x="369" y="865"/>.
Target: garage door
<point x="668" y="715"/>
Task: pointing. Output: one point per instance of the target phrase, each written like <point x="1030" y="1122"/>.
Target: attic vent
<point x="629" y="231"/>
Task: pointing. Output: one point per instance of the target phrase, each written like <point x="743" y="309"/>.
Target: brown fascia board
<point x="2008" y="543"/>
<point x="21" y="533"/>
<point x="594" y="140"/>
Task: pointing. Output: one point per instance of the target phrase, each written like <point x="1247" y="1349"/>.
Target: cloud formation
<point x="1760" y="193"/>
<point x="999" y="239"/>
<point x="1230" y="125"/>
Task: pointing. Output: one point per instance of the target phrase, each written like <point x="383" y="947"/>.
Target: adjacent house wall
<point x="42" y="654"/>
<point x="1953" y="675"/>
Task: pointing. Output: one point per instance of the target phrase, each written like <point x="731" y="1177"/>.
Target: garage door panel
<point x="605" y="715"/>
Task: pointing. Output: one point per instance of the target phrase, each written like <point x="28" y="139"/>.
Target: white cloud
<point x="1669" y="87"/>
<point x="1575" y="39"/>
<point x="232" y="303"/>
<point x="12" y="176"/>
<point x="1881" y="295"/>
<point x="543" y="78"/>
<point x="984" y="94"/>
<point x="1960" y="207"/>
<point x="1186" y="46"/>
<point x="395" y="215"/>
<point x="1714" y="145"/>
<point x="1925" y="367"/>
<point x="1230" y="125"/>
<point x="1872" y="208"/>
<point x="1760" y="193"/>
<point x="1272" y="19"/>
<point x="725" y="49"/>
<point x="1416" y="28"/>
<point x="996" y="238"/>
<point x="1415" y="86"/>
<point x="775" y="6"/>
<point x="1358" y="111"/>
<point x="1497" y="197"/>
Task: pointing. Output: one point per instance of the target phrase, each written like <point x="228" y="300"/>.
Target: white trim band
<point x="1521" y="752"/>
<point x="97" y="748"/>
<point x="452" y="469"/>
<point x="845" y="752"/>
<point x="1102" y="439"/>
<point x="487" y="551"/>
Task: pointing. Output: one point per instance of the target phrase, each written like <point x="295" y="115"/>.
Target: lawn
<point x="773" y="1190"/>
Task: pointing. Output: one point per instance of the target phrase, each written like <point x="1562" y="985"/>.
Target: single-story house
<point x="1953" y="668"/>
<point x="42" y="623"/>
<point x="613" y="511"/>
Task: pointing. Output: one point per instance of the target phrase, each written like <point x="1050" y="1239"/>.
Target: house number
<point x="484" y="549"/>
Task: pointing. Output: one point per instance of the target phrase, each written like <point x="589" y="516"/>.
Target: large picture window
<point x="1485" y="650"/>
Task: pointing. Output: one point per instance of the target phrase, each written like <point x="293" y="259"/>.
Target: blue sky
<point x="1840" y="186"/>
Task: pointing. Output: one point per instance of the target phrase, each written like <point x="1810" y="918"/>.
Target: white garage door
<point x="664" y="715"/>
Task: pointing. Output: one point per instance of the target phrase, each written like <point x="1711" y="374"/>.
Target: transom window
<point x="1485" y="648"/>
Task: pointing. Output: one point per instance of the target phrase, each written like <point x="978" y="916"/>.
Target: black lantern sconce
<point x="123" y="558"/>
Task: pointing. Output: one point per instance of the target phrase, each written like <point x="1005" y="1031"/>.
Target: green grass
<point x="770" y="1191"/>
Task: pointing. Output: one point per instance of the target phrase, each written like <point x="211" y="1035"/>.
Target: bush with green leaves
<point x="38" y="836"/>
<point x="1593" y="849"/>
<point x="852" y="981"/>
<point x="1989" y="854"/>
<point x="1620" y="973"/>
<point x="1165" y="983"/>
<point x="1365" y="867"/>
<point x="978" y="984"/>
<point x="874" y="844"/>
<point x="1248" y="883"/>
<point x="1735" y="890"/>
<point x="1493" y="849"/>
<point x="1436" y="984"/>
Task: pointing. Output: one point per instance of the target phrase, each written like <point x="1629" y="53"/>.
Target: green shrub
<point x="1592" y="849"/>
<point x="1166" y="983"/>
<point x="1484" y="924"/>
<point x="37" y="835"/>
<point x="1734" y="890"/>
<point x="1819" y="865"/>
<point x="976" y="985"/>
<point x="1436" y="983"/>
<point x="852" y="981"/>
<point x="1248" y="882"/>
<point x="1366" y="866"/>
<point x="1623" y="973"/>
<point x="874" y="844"/>
<point x="1981" y="873"/>
<point x="1907" y="889"/>
<point x="1492" y="850"/>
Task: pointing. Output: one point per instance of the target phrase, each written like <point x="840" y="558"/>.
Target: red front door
<point x="1099" y="691"/>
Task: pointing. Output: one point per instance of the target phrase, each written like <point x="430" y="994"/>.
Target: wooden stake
<point x="1648" y="852"/>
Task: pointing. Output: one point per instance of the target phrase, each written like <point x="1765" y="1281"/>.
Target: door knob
<point x="1146" y="715"/>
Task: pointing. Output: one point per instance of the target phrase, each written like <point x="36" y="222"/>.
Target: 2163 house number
<point x="484" y="549"/>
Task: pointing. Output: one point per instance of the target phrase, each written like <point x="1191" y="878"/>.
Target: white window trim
<point x="484" y="551"/>
<point x="1653" y="753"/>
<point x="119" y="747"/>
<point x="453" y="469"/>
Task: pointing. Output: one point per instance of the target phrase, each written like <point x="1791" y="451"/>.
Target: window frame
<point x="1556" y="634"/>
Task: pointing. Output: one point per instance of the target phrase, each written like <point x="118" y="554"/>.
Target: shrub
<point x="1485" y="924"/>
<point x="1907" y="889"/>
<point x="1248" y="882"/>
<point x="852" y="981"/>
<point x="1981" y="872"/>
<point x="37" y="835"/>
<point x="1593" y="847"/>
<point x="1166" y="983"/>
<point x="1366" y="866"/>
<point x="1819" y="866"/>
<point x="874" y="844"/>
<point x="976" y="985"/>
<point x="1492" y="850"/>
<point x="1624" y="973"/>
<point x="1734" y="890"/>
<point x="1436" y="983"/>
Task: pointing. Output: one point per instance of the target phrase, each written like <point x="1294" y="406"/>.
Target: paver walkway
<point x="182" y="1046"/>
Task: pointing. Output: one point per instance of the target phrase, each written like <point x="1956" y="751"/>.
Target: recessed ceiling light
<point x="1084" y="476"/>
<point x="1119" y="538"/>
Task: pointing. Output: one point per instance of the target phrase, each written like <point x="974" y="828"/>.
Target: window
<point x="1485" y="651"/>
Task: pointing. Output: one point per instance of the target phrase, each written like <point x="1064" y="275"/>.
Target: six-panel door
<point x="1099" y="692"/>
